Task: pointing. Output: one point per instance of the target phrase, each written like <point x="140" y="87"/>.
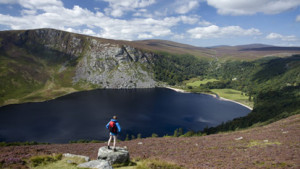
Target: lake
<point x="83" y="115"/>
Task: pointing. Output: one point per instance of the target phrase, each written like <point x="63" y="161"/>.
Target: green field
<point x="196" y="82"/>
<point x="235" y="95"/>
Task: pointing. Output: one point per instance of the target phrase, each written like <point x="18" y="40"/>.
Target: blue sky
<point x="196" y="22"/>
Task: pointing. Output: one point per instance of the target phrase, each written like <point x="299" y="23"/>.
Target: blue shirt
<point x="117" y="124"/>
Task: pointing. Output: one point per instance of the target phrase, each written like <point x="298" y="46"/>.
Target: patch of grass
<point x="85" y="141"/>
<point x="235" y="95"/>
<point x="125" y="165"/>
<point x="43" y="160"/>
<point x="156" y="164"/>
<point x="196" y="82"/>
<point x="4" y="144"/>
<point x="64" y="163"/>
<point x="262" y="143"/>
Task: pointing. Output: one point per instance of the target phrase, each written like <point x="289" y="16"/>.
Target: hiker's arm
<point x="107" y="125"/>
<point x="119" y="127"/>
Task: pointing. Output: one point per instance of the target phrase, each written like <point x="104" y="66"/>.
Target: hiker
<point x="114" y="128"/>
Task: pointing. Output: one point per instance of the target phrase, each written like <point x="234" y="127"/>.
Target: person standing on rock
<point x="114" y="128"/>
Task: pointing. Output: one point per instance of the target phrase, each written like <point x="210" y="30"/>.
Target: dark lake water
<point x="84" y="115"/>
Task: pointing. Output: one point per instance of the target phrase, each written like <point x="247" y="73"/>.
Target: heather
<point x="275" y="145"/>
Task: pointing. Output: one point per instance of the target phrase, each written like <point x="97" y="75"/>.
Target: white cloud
<point x="84" y="21"/>
<point x="189" y="19"/>
<point x="298" y="18"/>
<point x="185" y="6"/>
<point x="274" y="36"/>
<point x="204" y="23"/>
<point x="145" y="36"/>
<point x="215" y="31"/>
<point x="250" y="7"/>
<point x="118" y="8"/>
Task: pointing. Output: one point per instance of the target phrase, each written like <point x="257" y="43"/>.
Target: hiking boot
<point x="115" y="149"/>
<point x="108" y="147"/>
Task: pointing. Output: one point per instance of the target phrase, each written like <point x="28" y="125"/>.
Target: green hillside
<point x="38" y="65"/>
<point x="272" y="84"/>
<point x="31" y="71"/>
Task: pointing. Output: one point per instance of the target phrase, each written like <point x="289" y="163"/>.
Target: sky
<point x="195" y="22"/>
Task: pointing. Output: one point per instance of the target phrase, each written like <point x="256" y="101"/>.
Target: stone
<point x="86" y="158"/>
<point x="140" y="143"/>
<point x="121" y="155"/>
<point x="240" y="138"/>
<point x="70" y="162"/>
<point x="97" y="164"/>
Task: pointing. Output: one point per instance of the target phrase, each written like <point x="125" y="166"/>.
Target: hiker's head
<point x="115" y="117"/>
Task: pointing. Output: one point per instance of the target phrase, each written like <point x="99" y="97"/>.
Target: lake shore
<point x="177" y="90"/>
<point x="213" y="95"/>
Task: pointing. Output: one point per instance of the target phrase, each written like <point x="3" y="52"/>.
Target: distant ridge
<point x="273" y="48"/>
<point x="239" y="52"/>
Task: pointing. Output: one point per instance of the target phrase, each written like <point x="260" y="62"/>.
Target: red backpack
<point x="113" y="127"/>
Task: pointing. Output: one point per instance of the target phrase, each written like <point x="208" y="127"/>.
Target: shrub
<point x="154" y="135"/>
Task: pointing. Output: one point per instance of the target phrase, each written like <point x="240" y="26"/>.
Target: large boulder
<point x="86" y="158"/>
<point x="96" y="164"/>
<point x="121" y="155"/>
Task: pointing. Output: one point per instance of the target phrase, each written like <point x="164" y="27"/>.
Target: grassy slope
<point x="230" y="94"/>
<point x="31" y="72"/>
<point x="272" y="146"/>
<point x="195" y="82"/>
<point x="234" y="95"/>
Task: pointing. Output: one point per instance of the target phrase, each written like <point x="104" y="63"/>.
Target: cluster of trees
<point x="174" y="69"/>
<point x="272" y="82"/>
<point x="270" y="106"/>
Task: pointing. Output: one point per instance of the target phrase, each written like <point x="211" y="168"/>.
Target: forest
<point x="272" y="82"/>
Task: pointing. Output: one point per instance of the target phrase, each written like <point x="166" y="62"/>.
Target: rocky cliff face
<point x="114" y="66"/>
<point x="96" y="61"/>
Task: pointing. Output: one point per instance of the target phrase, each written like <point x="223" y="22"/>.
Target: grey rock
<point x="86" y="158"/>
<point x="115" y="66"/>
<point x="98" y="164"/>
<point x="121" y="155"/>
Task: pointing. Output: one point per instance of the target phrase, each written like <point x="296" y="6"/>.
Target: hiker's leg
<point x="115" y="139"/>
<point x="110" y="136"/>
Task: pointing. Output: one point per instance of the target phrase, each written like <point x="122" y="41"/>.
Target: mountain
<point x="253" y="51"/>
<point x="42" y="64"/>
<point x="45" y="63"/>
<point x="240" y="52"/>
<point x="173" y="47"/>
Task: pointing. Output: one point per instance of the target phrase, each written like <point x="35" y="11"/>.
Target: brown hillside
<point x="273" y="146"/>
<point x="241" y="52"/>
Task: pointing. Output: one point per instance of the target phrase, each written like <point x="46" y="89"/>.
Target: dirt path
<point x="273" y="146"/>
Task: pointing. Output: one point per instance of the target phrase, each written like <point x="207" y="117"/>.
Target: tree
<point x="180" y="131"/>
<point x="132" y="137"/>
<point x="127" y="137"/>
<point x="154" y="135"/>
<point x="176" y="133"/>
<point x="139" y="136"/>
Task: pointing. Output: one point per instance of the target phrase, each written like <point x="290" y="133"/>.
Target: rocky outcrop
<point x="96" y="164"/>
<point x="86" y="158"/>
<point x="121" y="155"/>
<point x="107" y="157"/>
<point x="114" y="66"/>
